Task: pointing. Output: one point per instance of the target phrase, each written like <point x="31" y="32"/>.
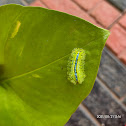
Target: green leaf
<point x="35" y="45"/>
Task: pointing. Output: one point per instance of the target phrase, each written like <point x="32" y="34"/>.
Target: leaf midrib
<point x="18" y="76"/>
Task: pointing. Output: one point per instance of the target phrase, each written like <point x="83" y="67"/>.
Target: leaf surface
<point x="35" y="45"/>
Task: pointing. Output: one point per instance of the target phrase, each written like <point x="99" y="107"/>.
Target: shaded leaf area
<point x="35" y="47"/>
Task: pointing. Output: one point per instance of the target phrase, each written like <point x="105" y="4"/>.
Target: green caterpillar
<point x="75" y="69"/>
